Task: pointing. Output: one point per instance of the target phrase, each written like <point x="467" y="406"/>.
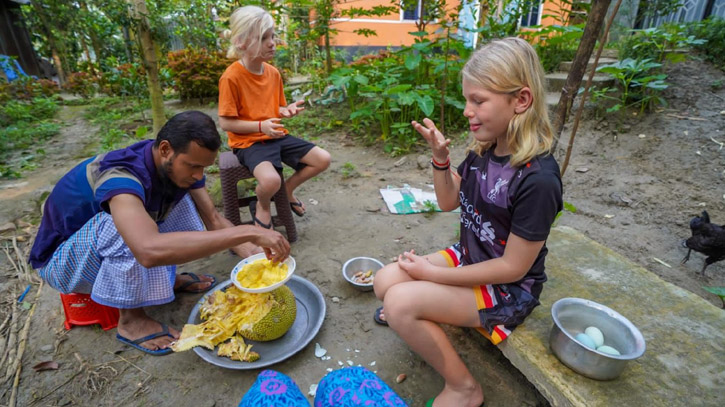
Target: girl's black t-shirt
<point x="497" y="199"/>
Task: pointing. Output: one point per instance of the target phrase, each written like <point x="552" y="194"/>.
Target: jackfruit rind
<point x="276" y="322"/>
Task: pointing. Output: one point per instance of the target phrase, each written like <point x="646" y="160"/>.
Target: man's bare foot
<point x="135" y="324"/>
<point x="183" y="279"/>
<point x="468" y="396"/>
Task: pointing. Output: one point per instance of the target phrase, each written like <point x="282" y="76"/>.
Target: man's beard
<point x="168" y="187"/>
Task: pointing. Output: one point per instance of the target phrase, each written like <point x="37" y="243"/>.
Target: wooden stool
<point x="231" y="172"/>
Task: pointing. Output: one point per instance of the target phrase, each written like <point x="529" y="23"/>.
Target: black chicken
<point x="707" y="238"/>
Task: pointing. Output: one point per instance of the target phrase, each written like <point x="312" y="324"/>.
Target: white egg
<point x="608" y="350"/>
<point x="585" y="340"/>
<point x="596" y="335"/>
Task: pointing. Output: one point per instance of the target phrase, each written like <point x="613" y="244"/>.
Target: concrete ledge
<point x="684" y="364"/>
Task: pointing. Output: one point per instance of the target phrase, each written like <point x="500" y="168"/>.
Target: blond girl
<point x="509" y="191"/>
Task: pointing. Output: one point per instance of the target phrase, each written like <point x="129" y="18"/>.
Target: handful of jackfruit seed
<point x="235" y="315"/>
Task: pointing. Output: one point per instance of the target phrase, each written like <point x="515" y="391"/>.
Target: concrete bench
<point x="684" y="364"/>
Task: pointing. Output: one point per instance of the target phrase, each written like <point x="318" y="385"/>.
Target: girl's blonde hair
<point x="506" y="66"/>
<point x="246" y="23"/>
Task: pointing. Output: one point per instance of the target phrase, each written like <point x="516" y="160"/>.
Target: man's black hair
<point x="189" y="126"/>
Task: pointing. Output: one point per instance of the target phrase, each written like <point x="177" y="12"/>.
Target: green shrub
<point x="385" y="92"/>
<point x="125" y="80"/>
<point x="27" y="88"/>
<point x="38" y="109"/>
<point x="657" y="43"/>
<point x="82" y="84"/>
<point x="712" y="31"/>
<point x="196" y="72"/>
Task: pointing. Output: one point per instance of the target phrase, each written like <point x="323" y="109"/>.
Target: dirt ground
<point x="635" y="182"/>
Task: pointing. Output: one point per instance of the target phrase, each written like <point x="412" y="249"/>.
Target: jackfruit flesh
<point x="262" y="273"/>
<point x="259" y="317"/>
<point x="236" y="349"/>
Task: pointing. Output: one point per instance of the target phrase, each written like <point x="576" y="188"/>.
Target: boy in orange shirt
<point x="251" y="107"/>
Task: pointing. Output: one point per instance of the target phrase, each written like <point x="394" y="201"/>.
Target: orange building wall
<point x="392" y="31"/>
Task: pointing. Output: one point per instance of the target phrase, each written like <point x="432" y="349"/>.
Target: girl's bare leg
<point x="391" y="274"/>
<point x="414" y="310"/>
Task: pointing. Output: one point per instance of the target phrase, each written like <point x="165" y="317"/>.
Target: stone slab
<point x="684" y="364"/>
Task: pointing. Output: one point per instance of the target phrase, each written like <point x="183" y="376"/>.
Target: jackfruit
<point x="259" y="317"/>
<point x="277" y="321"/>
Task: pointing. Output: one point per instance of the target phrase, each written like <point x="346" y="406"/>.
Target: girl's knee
<point x="399" y="302"/>
<point x="384" y="279"/>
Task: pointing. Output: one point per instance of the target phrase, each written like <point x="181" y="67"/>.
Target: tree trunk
<point x="593" y="27"/>
<point x="150" y="62"/>
<point x="56" y="52"/>
<point x="95" y="44"/>
<point x="328" y="53"/>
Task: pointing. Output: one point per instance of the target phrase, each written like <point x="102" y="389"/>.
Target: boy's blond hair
<point x="246" y="23"/>
<point x="506" y="66"/>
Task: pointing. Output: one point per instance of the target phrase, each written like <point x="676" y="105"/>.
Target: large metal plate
<point x="310" y="314"/>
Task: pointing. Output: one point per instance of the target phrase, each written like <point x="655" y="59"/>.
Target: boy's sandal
<point x="297" y="208"/>
<point x="378" y="319"/>
<point x="253" y="211"/>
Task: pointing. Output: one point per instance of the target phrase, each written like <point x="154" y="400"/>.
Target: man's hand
<point x="292" y="109"/>
<point x="271" y="127"/>
<point x="275" y="246"/>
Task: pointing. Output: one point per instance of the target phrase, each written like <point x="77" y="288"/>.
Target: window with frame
<point x="532" y="13"/>
<point x="410" y="9"/>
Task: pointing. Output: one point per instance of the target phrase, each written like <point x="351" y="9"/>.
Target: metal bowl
<point x="572" y="316"/>
<point x="356" y="264"/>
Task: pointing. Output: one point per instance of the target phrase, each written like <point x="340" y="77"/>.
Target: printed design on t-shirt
<point x="493" y="193"/>
<point x="471" y="219"/>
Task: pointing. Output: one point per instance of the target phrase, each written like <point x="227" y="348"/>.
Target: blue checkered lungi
<point x="95" y="260"/>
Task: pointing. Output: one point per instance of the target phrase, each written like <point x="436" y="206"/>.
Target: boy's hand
<point x="293" y="109"/>
<point x="435" y="139"/>
<point x="271" y="127"/>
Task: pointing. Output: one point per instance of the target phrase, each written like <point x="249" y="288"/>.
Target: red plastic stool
<point x="80" y="309"/>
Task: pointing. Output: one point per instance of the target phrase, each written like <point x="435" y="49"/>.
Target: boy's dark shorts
<point x="501" y="307"/>
<point x="288" y="150"/>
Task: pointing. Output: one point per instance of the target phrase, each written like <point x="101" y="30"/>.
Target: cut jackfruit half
<point x="259" y="317"/>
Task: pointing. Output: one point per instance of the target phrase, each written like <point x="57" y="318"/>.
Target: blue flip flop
<point x="137" y="343"/>
<point x="184" y="288"/>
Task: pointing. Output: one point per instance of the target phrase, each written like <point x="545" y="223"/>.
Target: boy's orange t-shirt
<point x="246" y="96"/>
